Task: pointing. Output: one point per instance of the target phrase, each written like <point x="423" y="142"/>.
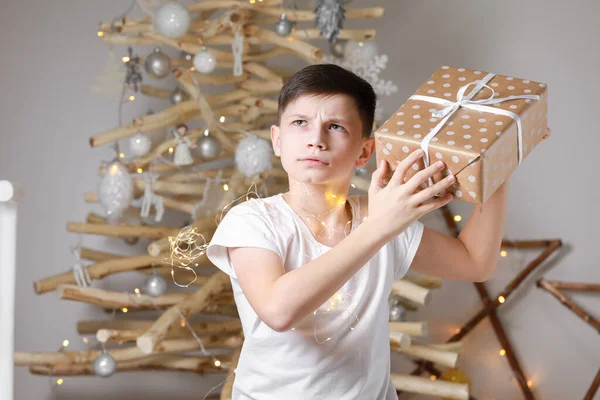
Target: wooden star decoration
<point x="490" y="306"/>
<point x="555" y="289"/>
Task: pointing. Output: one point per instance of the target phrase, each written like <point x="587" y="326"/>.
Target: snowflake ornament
<point x="368" y="69"/>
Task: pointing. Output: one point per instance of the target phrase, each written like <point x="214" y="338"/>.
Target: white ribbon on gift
<point x="480" y="105"/>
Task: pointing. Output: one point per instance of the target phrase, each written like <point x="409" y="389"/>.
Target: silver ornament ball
<point x="338" y="48"/>
<point x="155" y="285"/>
<point x="397" y="313"/>
<point x="284" y="26"/>
<point x="209" y="147"/>
<point x="365" y="50"/>
<point x="139" y="144"/>
<point x="178" y="96"/>
<point x="205" y="62"/>
<point x="158" y="64"/>
<point x="172" y="20"/>
<point x="105" y="365"/>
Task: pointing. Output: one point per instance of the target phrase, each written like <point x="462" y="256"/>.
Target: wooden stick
<point x="567" y="302"/>
<point x="88" y="327"/>
<point x="168" y="272"/>
<point x="263" y="72"/>
<point x="148" y="342"/>
<point x="412" y="292"/>
<point x="123" y="231"/>
<point x="400" y="340"/>
<point x="593" y="387"/>
<point x="418" y="329"/>
<point x="195" y="364"/>
<point x="454" y="346"/>
<point x="426" y="281"/>
<point x="351" y="34"/>
<point x="445" y="358"/>
<point x="309" y="15"/>
<point x="575" y="286"/>
<point x="301" y="48"/>
<point x="100" y="270"/>
<point x="415" y="384"/>
<point x="126" y="353"/>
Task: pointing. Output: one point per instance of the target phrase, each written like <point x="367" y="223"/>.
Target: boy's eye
<point x="337" y="127"/>
<point x="301" y="122"/>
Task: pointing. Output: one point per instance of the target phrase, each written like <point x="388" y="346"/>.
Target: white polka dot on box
<point x="482" y="125"/>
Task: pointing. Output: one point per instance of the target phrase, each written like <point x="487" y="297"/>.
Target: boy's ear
<point x="275" y="140"/>
<point x="366" y="153"/>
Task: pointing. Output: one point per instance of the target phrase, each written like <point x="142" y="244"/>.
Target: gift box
<point x="481" y="125"/>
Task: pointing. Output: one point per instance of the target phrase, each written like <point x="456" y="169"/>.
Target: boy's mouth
<point x="314" y="161"/>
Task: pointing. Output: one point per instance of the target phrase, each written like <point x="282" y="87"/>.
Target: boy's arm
<point x="474" y="254"/>
<point x="281" y="300"/>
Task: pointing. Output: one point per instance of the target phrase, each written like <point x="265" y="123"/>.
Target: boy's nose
<point x="317" y="140"/>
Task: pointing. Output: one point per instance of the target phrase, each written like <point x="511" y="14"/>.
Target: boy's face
<point x="320" y="140"/>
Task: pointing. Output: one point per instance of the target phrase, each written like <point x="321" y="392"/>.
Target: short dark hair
<point x="328" y="79"/>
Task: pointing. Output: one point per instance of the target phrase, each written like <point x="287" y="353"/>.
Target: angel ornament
<point x="183" y="144"/>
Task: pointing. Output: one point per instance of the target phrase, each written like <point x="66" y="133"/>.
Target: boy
<point x="312" y="268"/>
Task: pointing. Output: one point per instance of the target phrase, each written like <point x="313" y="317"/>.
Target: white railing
<point x="10" y="193"/>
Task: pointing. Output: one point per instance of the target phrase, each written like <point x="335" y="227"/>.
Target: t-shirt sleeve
<point x="406" y="245"/>
<point x="242" y="226"/>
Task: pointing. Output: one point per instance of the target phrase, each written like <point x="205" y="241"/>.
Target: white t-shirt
<point x="340" y="352"/>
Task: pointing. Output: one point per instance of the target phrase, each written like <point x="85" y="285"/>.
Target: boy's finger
<point x="400" y="172"/>
<point x="423" y="176"/>
<point x="377" y="176"/>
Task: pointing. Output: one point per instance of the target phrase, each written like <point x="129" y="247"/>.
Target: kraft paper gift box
<point x="481" y="125"/>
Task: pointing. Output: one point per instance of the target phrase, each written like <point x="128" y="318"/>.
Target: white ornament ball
<point x="367" y="49"/>
<point x="338" y="48"/>
<point x="209" y="147"/>
<point x="139" y="144"/>
<point x="172" y="20"/>
<point x="253" y="155"/>
<point x="105" y="365"/>
<point x="155" y="285"/>
<point x="205" y="62"/>
<point x="115" y="191"/>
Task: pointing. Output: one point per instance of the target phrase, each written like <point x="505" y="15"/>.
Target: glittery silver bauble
<point x="158" y="64"/>
<point x="209" y="147"/>
<point x="139" y="144"/>
<point x="397" y="313"/>
<point x="284" y="26"/>
<point x="155" y="285"/>
<point x="205" y="62"/>
<point x="338" y="48"/>
<point x="115" y="191"/>
<point x="105" y="365"/>
<point x="253" y="155"/>
<point x="178" y="95"/>
<point x="172" y="20"/>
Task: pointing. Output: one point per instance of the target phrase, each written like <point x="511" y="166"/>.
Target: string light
<point x="501" y="299"/>
<point x="217" y="363"/>
<point x="457" y="218"/>
<point x="85" y="340"/>
<point x="225" y="187"/>
<point x="222" y="119"/>
<point x="124" y="309"/>
<point x="502" y="352"/>
<point x="252" y="1"/>
<point x="137" y="291"/>
<point x="170" y="150"/>
<point x="192" y="68"/>
<point x="433" y="377"/>
<point x="503" y="253"/>
<point x="100" y="33"/>
<point x="125" y="59"/>
<point x="60" y="381"/>
<point x="457" y="330"/>
<point x="182" y="323"/>
<point x="139" y="170"/>
<point x="131" y="98"/>
<point x="122" y="155"/>
<point x="65" y="343"/>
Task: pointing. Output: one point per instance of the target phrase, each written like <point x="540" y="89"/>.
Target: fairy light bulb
<point x="122" y="155"/>
<point x="433" y="377"/>
<point x="182" y="323"/>
<point x="502" y="352"/>
<point x="85" y="340"/>
<point x="124" y="309"/>
<point x="529" y="383"/>
<point x="100" y="33"/>
<point x="60" y="381"/>
<point x="225" y="187"/>
<point x="171" y="150"/>
<point x="65" y="343"/>
<point x="501" y="299"/>
<point x="222" y="119"/>
<point x="131" y="98"/>
<point x="457" y="218"/>
<point x="217" y="363"/>
<point x="139" y="170"/>
<point x="503" y="253"/>
<point x="125" y="59"/>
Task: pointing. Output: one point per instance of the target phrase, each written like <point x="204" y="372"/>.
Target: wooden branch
<point x="148" y="342"/>
<point x="400" y="340"/>
<point x="123" y="231"/>
<point x="575" y="286"/>
<point x="309" y="15"/>
<point x="195" y="364"/>
<point x="411" y="291"/>
<point x="100" y="270"/>
<point x="350" y="34"/>
<point x="263" y="72"/>
<point x="126" y="353"/>
<point x="567" y="302"/>
<point x="261" y="87"/>
<point x="444" y="358"/>
<point x="90" y="327"/>
<point x="160" y="120"/>
<point x="426" y="281"/>
<point x="418" y="329"/>
<point x="593" y="387"/>
<point x="438" y="388"/>
<point x="306" y="50"/>
<point x="167" y="273"/>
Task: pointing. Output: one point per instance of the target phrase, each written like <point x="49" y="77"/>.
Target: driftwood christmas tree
<point x="226" y="87"/>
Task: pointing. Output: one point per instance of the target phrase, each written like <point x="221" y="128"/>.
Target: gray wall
<point x="51" y="55"/>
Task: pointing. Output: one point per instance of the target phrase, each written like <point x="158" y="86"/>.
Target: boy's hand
<point x="396" y="205"/>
